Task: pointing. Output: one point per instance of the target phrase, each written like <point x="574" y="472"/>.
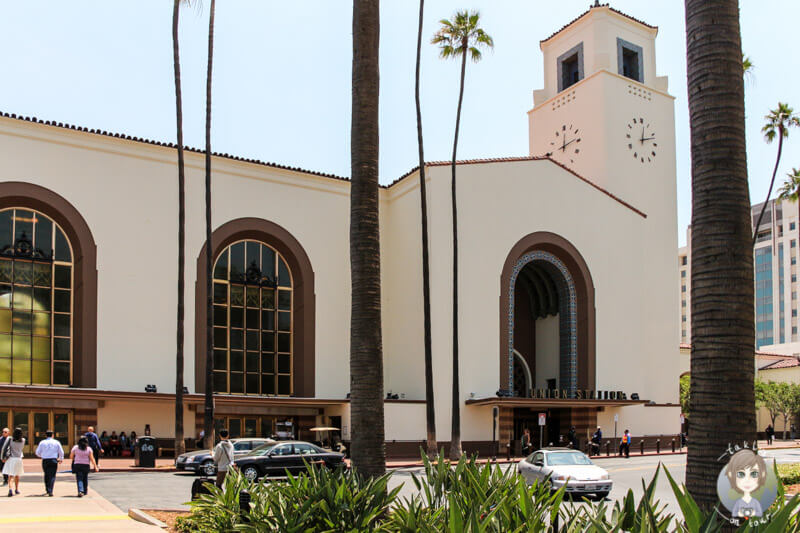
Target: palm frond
<point x="462" y="35"/>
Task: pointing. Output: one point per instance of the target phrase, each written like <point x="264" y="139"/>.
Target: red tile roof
<point x="786" y="362"/>
<point x="313" y="172"/>
<point x="167" y="145"/>
<point x="576" y="19"/>
<point x="517" y="159"/>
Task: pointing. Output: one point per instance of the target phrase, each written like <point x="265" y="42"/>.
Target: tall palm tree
<point x="779" y="121"/>
<point x="723" y="336"/>
<point x="180" y="446"/>
<point x="430" y="413"/>
<point x="790" y="190"/>
<point x="366" y="350"/>
<point x="208" y="418"/>
<point x="458" y="38"/>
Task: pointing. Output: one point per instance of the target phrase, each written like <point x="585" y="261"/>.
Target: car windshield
<point x="567" y="458"/>
<point x="264" y="449"/>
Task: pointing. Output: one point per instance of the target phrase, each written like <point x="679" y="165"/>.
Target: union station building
<point x="567" y="264"/>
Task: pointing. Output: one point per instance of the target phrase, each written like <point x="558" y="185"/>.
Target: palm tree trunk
<point x="179" y="442"/>
<point x="208" y="418"/>
<point x="771" y="183"/>
<point x="722" y="311"/>
<point x="455" y="430"/>
<point x="430" y="412"/>
<point x="366" y="351"/>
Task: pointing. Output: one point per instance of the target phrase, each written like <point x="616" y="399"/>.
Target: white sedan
<point x="568" y="467"/>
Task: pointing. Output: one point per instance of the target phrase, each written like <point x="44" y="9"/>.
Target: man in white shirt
<point x="223" y="457"/>
<point x="52" y="454"/>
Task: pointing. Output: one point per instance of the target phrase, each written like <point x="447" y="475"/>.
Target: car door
<point x="280" y="459"/>
<point x="537" y="470"/>
<point x="306" y="453"/>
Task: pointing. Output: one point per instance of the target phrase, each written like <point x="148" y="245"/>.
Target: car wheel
<point x="207" y="468"/>
<point x="600" y="496"/>
<point x="251" y="473"/>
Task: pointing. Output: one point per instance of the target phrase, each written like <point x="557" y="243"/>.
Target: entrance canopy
<point x="550" y="402"/>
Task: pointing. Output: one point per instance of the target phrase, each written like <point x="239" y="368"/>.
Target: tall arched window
<point x="35" y="299"/>
<point x="253" y="321"/>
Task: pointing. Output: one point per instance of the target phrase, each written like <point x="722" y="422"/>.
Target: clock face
<point x="566" y="143"/>
<point x="641" y="140"/>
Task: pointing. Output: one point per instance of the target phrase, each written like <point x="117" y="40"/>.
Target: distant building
<point x="775" y="257"/>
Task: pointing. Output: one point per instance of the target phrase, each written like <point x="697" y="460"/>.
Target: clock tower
<point x="604" y="113"/>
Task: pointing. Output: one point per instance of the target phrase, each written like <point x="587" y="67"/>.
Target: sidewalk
<point x="32" y="510"/>
<point x="779" y="444"/>
<point x="107" y="464"/>
<point x="412" y="463"/>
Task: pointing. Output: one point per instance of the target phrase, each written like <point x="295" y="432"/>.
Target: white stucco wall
<point x="547" y="351"/>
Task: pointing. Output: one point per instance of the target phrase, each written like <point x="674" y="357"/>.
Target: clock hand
<point x="648" y="138"/>
<point x="567" y="144"/>
<point x="642" y="139"/>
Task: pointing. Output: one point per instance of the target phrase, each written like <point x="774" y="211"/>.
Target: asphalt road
<point x="167" y="490"/>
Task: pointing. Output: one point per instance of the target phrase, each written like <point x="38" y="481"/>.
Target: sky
<point x="282" y="75"/>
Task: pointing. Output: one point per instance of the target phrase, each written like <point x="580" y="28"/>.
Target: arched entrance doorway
<point x="547" y="335"/>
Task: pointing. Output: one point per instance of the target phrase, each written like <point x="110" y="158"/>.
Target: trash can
<point x="145" y="452"/>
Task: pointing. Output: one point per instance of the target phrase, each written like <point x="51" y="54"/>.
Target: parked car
<point x="286" y="456"/>
<point x="569" y="467"/>
<point x="202" y="461"/>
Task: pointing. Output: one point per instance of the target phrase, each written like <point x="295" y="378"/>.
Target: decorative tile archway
<point x="568" y="332"/>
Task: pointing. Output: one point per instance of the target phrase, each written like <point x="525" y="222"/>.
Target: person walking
<point x="223" y="457"/>
<point x="12" y="453"/>
<point x="597" y="440"/>
<point x="94" y="443"/>
<point x="770" y="431"/>
<point x="526" y="442"/>
<point x="132" y="441"/>
<point x="82" y="458"/>
<point x="3" y="440"/>
<point x="51" y="454"/>
<point x="625" y="445"/>
<point x="572" y="437"/>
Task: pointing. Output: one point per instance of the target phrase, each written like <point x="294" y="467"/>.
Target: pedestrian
<point x="597" y="440"/>
<point x="223" y="457"/>
<point x="123" y="443"/>
<point x="200" y="438"/>
<point x="105" y="444"/>
<point x="132" y="441"/>
<point x="12" y="454"/>
<point x="94" y="443"/>
<point x="51" y="453"/>
<point x="3" y="440"/>
<point x="82" y="458"/>
<point x="572" y="437"/>
<point x="625" y="444"/>
<point x="526" y="442"/>
<point x="113" y="441"/>
<point x="770" y="431"/>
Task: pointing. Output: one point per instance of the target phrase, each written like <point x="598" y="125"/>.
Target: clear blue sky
<point x="282" y="76"/>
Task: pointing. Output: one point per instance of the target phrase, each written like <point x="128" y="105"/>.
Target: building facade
<point x="88" y="240"/>
<point x="775" y="269"/>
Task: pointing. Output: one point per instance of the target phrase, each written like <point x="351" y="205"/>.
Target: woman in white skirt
<point x="12" y="449"/>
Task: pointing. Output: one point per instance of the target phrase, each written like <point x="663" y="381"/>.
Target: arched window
<point x="253" y="321"/>
<point x="36" y="299"/>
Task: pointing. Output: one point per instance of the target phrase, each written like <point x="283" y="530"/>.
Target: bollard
<point x="658" y="445"/>
<point x="673" y="445"/>
<point x="508" y="451"/>
<point x="555" y="523"/>
<point x="641" y="446"/>
<point x="608" y="449"/>
<point x="244" y="504"/>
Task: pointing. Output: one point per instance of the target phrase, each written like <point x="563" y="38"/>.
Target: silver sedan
<point x="567" y="468"/>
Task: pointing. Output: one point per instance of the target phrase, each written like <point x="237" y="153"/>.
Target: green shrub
<point x="789" y="474"/>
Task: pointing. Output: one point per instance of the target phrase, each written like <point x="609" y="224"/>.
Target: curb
<point x="141" y="516"/>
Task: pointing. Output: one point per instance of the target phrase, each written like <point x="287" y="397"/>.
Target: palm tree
<point x="747" y="65"/>
<point x="790" y="190"/>
<point x="722" y="311"/>
<point x="208" y="418"/>
<point x="458" y="38"/>
<point x="430" y="413"/>
<point x="180" y="445"/>
<point x="778" y="123"/>
<point x="366" y="350"/>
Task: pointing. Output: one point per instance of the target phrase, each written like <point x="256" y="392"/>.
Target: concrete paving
<point x="33" y="510"/>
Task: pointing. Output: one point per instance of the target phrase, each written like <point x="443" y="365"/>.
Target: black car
<point x="274" y="460"/>
<point x="202" y="461"/>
